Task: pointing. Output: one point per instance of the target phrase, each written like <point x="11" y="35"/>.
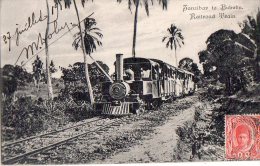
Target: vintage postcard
<point x="130" y="81"/>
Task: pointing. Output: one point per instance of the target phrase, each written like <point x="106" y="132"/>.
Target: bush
<point x="25" y="117"/>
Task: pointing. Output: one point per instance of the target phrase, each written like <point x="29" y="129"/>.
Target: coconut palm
<point x="164" y="4"/>
<point x="87" y="48"/>
<point x="174" y="39"/>
<point x="91" y="37"/>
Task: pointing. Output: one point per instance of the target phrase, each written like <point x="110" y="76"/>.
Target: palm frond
<point x="145" y="3"/>
<point x="129" y="5"/>
<point x="99" y="34"/>
<point x="164" y="3"/>
<point x="67" y="3"/>
<point x="91" y="36"/>
<point x="95" y="28"/>
<point x="146" y="6"/>
<point x="179" y="44"/>
<point x="164" y="38"/>
<point x="167" y="44"/>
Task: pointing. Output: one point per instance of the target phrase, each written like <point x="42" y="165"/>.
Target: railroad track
<point x="21" y="150"/>
<point x="25" y="150"/>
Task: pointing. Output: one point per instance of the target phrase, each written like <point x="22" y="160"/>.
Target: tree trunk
<point x="49" y="86"/>
<point x="176" y="61"/>
<point x="135" y="28"/>
<point x="91" y="96"/>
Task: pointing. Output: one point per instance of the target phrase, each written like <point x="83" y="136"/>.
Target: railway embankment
<point x="203" y="138"/>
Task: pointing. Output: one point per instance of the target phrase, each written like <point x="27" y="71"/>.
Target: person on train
<point x="129" y="73"/>
<point x="178" y="86"/>
<point x="155" y="74"/>
<point x="145" y="73"/>
<point x="190" y="84"/>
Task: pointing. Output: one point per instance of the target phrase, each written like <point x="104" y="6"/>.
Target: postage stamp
<point x="242" y="137"/>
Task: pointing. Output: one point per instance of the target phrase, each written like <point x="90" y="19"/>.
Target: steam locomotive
<point x="142" y="84"/>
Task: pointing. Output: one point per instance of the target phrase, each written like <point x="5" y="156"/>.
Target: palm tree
<point x="89" y="39"/>
<point x="174" y="39"/>
<point x="86" y="40"/>
<point x="164" y="4"/>
<point x="90" y="90"/>
<point x="49" y="85"/>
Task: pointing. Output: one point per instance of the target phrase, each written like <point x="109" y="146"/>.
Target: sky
<point x="116" y="24"/>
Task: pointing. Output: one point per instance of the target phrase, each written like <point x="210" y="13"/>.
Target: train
<point x="142" y="84"/>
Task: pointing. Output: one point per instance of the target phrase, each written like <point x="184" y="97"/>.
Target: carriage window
<point x="145" y="73"/>
<point x="165" y="75"/>
<point x="137" y="72"/>
<point x="129" y="73"/>
<point x="155" y="74"/>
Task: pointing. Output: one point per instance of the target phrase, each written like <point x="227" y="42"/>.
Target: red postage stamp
<point x="242" y="137"/>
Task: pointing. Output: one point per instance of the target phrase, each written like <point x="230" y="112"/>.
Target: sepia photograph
<point x="130" y="81"/>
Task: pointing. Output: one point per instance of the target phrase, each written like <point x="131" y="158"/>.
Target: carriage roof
<point x="172" y="67"/>
<point x="154" y="62"/>
<point x="140" y="61"/>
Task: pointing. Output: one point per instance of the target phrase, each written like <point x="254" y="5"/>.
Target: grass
<point x="30" y="90"/>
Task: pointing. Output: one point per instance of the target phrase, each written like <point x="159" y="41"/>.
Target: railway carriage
<point x="142" y="83"/>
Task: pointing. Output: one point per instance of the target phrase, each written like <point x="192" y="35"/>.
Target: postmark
<point x="242" y="137"/>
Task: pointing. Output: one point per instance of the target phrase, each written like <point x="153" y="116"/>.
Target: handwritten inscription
<point x="210" y="12"/>
<point x="31" y="21"/>
<point x="40" y="41"/>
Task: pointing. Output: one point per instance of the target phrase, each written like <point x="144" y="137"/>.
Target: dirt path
<point x="157" y="148"/>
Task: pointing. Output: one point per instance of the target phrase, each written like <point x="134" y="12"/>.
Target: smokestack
<point x="119" y="67"/>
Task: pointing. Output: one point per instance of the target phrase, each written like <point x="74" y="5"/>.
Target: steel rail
<point x="14" y="159"/>
<point x="51" y="132"/>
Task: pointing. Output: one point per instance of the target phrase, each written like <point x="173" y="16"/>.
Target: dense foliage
<point x="38" y="72"/>
<point x="189" y="65"/>
<point x="24" y="116"/>
<point x="251" y="27"/>
<point x="229" y="59"/>
<point x="74" y="80"/>
<point x="13" y="76"/>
